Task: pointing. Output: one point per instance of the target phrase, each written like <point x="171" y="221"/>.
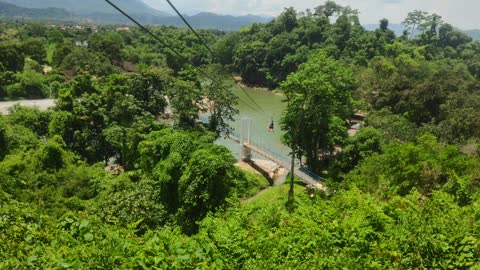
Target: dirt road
<point x="42" y="104"/>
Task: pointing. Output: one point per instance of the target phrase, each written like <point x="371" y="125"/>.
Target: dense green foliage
<point x="319" y="97"/>
<point x="120" y="174"/>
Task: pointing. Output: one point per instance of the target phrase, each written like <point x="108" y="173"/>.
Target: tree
<point x="432" y="24"/>
<point x="222" y="103"/>
<point x="149" y="86"/>
<point x="110" y="44"/>
<point x="225" y="48"/>
<point x="35" y="49"/>
<point x="367" y="142"/>
<point x="32" y="84"/>
<point x="317" y="94"/>
<point x="204" y="185"/>
<point x="3" y="139"/>
<point x="11" y="56"/>
<point x="35" y="30"/>
<point x="395" y="127"/>
<point x="185" y="96"/>
<point x="286" y="21"/>
<point x="425" y="165"/>
<point x="51" y="155"/>
<point x="120" y="133"/>
<point x="61" y="51"/>
<point x="81" y="59"/>
<point x="415" y="20"/>
<point x="384" y="24"/>
<point x="278" y="51"/>
<point x="85" y="101"/>
<point x="62" y="124"/>
<point x="249" y="60"/>
<point x="134" y="203"/>
<point x="6" y="78"/>
<point x="328" y="9"/>
<point x="54" y="36"/>
<point x="459" y="117"/>
<point x="448" y="36"/>
<point x="31" y="118"/>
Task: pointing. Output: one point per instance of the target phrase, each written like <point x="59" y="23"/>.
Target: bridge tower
<point x="245" y="126"/>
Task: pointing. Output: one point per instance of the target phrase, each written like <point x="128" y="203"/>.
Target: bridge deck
<point x="303" y="176"/>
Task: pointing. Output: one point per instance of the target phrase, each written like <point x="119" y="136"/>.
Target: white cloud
<point x="461" y="13"/>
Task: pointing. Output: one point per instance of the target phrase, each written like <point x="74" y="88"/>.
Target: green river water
<point x="273" y="106"/>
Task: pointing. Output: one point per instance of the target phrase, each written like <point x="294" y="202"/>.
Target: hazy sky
<point x="460" y="13"/>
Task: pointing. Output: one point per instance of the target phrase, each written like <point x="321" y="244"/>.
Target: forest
<point x="121" y="174"/>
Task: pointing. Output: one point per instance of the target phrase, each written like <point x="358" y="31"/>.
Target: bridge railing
<point x="275" y="153"/>
<point x="285" y="158"/>
<point x="313" y="175"/>
<point x="235" y="133"/>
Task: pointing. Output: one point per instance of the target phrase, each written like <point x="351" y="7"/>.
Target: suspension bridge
<point x="247" y="146"/>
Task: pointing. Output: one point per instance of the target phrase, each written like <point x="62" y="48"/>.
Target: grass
<point x="275" y="195"/>
<point x="270" y="204"/>
<point x="259" y="183"/>
<point x="50" y="51"/>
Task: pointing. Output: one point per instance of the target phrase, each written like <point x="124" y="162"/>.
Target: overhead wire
<point x="172" y="49"/>
<point x="211" y="52"/>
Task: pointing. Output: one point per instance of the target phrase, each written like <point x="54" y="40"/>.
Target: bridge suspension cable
<point x="157" y="38"/>
<point x="212" y="53"/>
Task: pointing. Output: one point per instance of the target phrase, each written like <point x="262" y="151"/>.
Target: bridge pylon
<point x="245" y="127"/>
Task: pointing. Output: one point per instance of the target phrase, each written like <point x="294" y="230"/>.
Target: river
<point x="273" y="106"/>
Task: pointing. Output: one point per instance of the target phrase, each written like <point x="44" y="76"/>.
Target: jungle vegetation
<point x="403" y="192"/>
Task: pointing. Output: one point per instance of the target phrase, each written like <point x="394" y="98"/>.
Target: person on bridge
<point x="271" y="126"/>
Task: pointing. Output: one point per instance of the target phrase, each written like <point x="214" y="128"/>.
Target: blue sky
<point x="460" y="13"/>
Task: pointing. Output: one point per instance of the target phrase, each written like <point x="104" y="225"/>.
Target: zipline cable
<point x="211" y="52"/>
<point x="172" y="49"/>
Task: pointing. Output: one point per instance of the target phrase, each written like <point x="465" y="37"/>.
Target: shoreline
<point x="264" y="89"/>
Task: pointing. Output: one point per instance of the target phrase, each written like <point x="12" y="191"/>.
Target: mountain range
<point x="9" y="10"/>
<point x="86" y="7"/>
<point x="102" y="13"/>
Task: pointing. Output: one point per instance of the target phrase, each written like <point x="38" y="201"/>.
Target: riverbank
<point x="265" y="89"/>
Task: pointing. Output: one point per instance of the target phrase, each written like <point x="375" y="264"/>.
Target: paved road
<point x="42" y="104"/>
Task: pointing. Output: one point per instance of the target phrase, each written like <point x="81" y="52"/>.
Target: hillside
<point x="9" y="10"/>
<point x="101" y="13"/>
<point x="206" y="20"/>
<point x="86" y="7"/>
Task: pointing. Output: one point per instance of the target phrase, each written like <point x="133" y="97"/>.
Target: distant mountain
<point x="200" y="21"/>
<point x="9" y="10"/>
<point x="206" y="20"/>
<point x="97" y="11"/>
<point x="475" y="34"/>
<point x="86" y="7"/>
<point x="399" y="28"/>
